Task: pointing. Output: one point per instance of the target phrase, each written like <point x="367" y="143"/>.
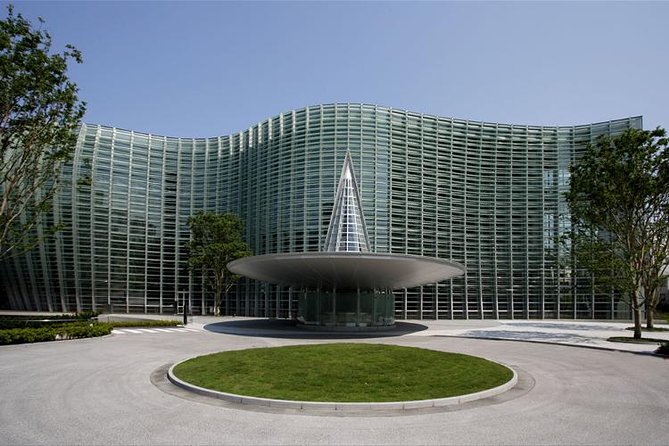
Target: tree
<point x="591" y="253"/>
<point x="39" y="114"/>
<point x="216" y="240"/>
<point x="619" y="203"/>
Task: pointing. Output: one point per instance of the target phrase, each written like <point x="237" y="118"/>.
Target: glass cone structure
<point x="347" y="230"/>
<point x="347" y="286"/>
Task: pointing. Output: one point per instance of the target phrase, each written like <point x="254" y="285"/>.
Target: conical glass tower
<point x="346" y="286"/>
<point x="347" y="231"/>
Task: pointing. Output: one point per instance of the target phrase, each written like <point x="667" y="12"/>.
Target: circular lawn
<point x="343" y="372"/>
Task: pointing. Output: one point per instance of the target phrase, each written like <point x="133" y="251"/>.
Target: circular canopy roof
<point x="346" y="270"/>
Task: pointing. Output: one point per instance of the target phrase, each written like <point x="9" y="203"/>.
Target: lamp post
<point x="184" y="305"/>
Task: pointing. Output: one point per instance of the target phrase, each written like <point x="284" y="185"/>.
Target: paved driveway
<point x="110" y="391"/>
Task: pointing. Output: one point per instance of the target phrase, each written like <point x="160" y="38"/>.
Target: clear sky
<point x="213" y="68"/>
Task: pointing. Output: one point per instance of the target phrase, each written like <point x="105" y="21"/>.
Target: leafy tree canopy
<point x="619" y="202"/>
<point x="216" y="240"/>
<point x="39" y="113"/>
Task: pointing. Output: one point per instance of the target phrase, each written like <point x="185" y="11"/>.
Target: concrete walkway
<point x="113" y="390"/>
<point x="576" y="333"/>
<point x="579" y="333"/>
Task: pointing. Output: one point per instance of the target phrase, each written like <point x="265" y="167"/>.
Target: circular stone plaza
<point x="114" y="390"/>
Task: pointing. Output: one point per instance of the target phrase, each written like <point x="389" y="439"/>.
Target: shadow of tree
<point x="567" y="326"/>
<point x="530" y="336"/>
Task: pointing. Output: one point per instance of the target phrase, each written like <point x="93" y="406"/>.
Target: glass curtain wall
<point x="486" y="195"/>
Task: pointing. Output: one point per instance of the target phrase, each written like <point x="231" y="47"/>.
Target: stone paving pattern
<point x="112" y="390"/>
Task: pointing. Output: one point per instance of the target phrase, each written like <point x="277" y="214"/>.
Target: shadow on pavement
<point x="530" y="336"/>
<point x="282" y="328"/>
<point x="563" y="326"/>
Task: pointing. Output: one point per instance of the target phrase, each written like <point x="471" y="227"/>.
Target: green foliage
<point x="19" y="321"/>
<point x="621" y="183"/>
<point x="83" y="330"/>
<point x="654" y="329"/>
<point x="663" y="349"/>
<point x="72" y="330"/>
<point x="619" y="203"/>
<point x="30" y="323"/>
<point x="627" y="340"/>
<point x="26" y="335"/>
<point x="20" y="330"/>
<point x="598" y="256"/>
<point x="50" y="316"/>
<point x="87" y="315"/>
<point x="39" y="114"/>
<point x="144" y="323"/>
<point x="343" y="372"/>
<point x="216" y="240"/>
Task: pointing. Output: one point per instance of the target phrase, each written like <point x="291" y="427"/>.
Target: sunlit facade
<point x="485" y="195"/>
<point x="345" y="285"/>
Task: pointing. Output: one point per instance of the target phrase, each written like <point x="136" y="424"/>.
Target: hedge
<point x="144" y="323"/>
<point x="14" y="321"/>
<point x="22" y="331"/>
<point x="663" y="349"/>
<point x="73" y="330"/>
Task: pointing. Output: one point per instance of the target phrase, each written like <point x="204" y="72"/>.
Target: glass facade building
<point x="486" y="195"/>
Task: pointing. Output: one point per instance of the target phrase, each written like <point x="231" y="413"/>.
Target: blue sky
<point x="212" y="68"/>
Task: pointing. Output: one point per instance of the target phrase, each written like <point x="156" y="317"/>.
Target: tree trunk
<point x="217" y="308"/>
<point x="227" y="304"/>
<point x="217" y="299"/>
<point x="226" y="290"/>
<point x="649" y="313"/>
<point x="636" y="310"/>
<point x="652" y="305"/>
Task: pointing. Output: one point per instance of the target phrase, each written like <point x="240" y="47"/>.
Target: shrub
<point x="663" y="349"/>
<point x="144" y="323"/>
<point x="26" y="335"/>
<point x="82" y="330"/>
<point x="73" y="330"/>
<point x="14" y="321"/>
<point x="6" y="324"/>
<point x="87" y="315"/>
<point x="34" y="322"/>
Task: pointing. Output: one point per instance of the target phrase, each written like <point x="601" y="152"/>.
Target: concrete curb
<point x="312" y="405"/>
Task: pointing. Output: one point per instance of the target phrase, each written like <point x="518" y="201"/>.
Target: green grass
<point x="630" y="340"/>
<point x="649" y="330"/>
<point x="343" y="373"/>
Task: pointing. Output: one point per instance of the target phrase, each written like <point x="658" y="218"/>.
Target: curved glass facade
<point x="486" y="195"/>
